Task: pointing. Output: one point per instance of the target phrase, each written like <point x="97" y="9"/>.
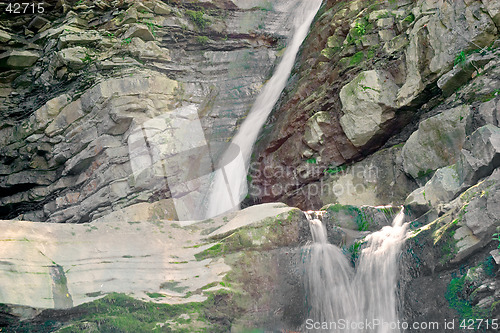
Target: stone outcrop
<point x="416" y="56"/>
<point x="77" y="86"/>
<point x="436" y="143"/>
<point x="368" y="104"/>
<point x="185" y="262"/>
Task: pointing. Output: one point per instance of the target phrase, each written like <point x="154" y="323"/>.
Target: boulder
<point x="73" y="57"/>
<point x="18" y="59"/>
<point x="314" y="135"/>
<point x="368" y="103"/>
<point x="377" y="180"/>
<point x="161" y="8"/>
<point x="493" y="8"/>
<point x="66" y="117"/>
<point x="5" y="36"/>
<point x="482" y="214"/>
<point x="139" y="30"/>
<point x="148" y="50"/>
<point x="417" y="203"/>
<point x="488" y="113"/>
<point x="462" y="73"/>
<point x="437" y="142"/>
<point x="443" y="187"/>
<point x="480" y="154"/>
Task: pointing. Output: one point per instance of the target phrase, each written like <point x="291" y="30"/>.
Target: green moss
<point x="489" y="266"/>
<point x="489" y="96"/>
<point x="360" y="28"/>
<point x="155" y="295"/>
<point x="198" y="18"/>
<point x="202" y="39"/>
<point x="356" y="58"/>
<point x="172" y="285"/>
<point x="121" y="313"/>
<point x="354" y="251"/>
<point x="410" y="18"/>
<point x="354" y="212"/>
<point x="335" y="170"/>
<point x="216" y="250"/>
<point x="457" y="297"/>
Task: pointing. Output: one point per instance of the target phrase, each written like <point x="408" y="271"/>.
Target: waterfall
<point x="229" y="186"/>
<point x="343" y="299"/>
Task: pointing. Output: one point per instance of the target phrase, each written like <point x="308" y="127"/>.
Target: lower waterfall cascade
<point x="341" y="298"/>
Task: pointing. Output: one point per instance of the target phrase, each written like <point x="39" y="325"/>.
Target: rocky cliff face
<point x="390" y="102"/>
<point x="397" y="102"/>
<point x="369" y="73"/>
<point x="79" y="80"/>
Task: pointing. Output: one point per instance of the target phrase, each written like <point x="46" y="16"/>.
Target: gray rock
<point x="18" y="59"/>
<point x="489" y="113"/>
<point x="481" y="215"/>
<point x="377" y="180"/>
<point x="437" y="142"/>
<point x="444" y="185"/>
<point x="73" y="57"/>
<point x="335" y="41"/>
<point x="370" y="40"/>
<point x="480" y="154"/>
<point x="386" y="35"/>
<point x="437" y="37"/>
<point x="396" y="44"/>
<point x="148" y="50"/>
<point x="496" y="255"/>
<point x="387" y="22"/>
<point x="493" y="8"/>
<point x="462" y="73"/>
<point x="78" y="38"/>
<point x="5" y="36"/>
<point x="139" y="30"/>
<point x="417" y="203"/>
<point x="161" y="8"/>
<point x="314" y="135"/>
<point x="368" y="103"/>
<point x="130" y="16"/>
<point x="66" y="117"/>
<point x="38" y="22"/>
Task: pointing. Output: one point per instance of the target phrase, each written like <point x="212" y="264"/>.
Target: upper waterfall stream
<point x="229" y="185"/>
<point x="343" y="299"/>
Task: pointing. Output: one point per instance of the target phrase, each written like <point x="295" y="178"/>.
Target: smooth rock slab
<point x="52" y="265"/>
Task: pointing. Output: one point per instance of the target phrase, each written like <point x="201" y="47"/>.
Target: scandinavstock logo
<point x="171" y="152"/>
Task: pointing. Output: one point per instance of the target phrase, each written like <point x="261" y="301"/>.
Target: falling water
<point x="229" y="187"/>
<point x="342" y="299"/>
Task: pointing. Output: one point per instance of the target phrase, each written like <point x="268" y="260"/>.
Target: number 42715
<point x="25" y="7"/>
<point x="476" y="324"/>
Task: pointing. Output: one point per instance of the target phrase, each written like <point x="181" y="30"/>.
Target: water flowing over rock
<point x="227" y="191"/>
<point x="343" y="299"/>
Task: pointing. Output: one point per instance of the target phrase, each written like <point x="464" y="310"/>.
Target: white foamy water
<point x="338" y="294"/>
<point x="229" y="186"/>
